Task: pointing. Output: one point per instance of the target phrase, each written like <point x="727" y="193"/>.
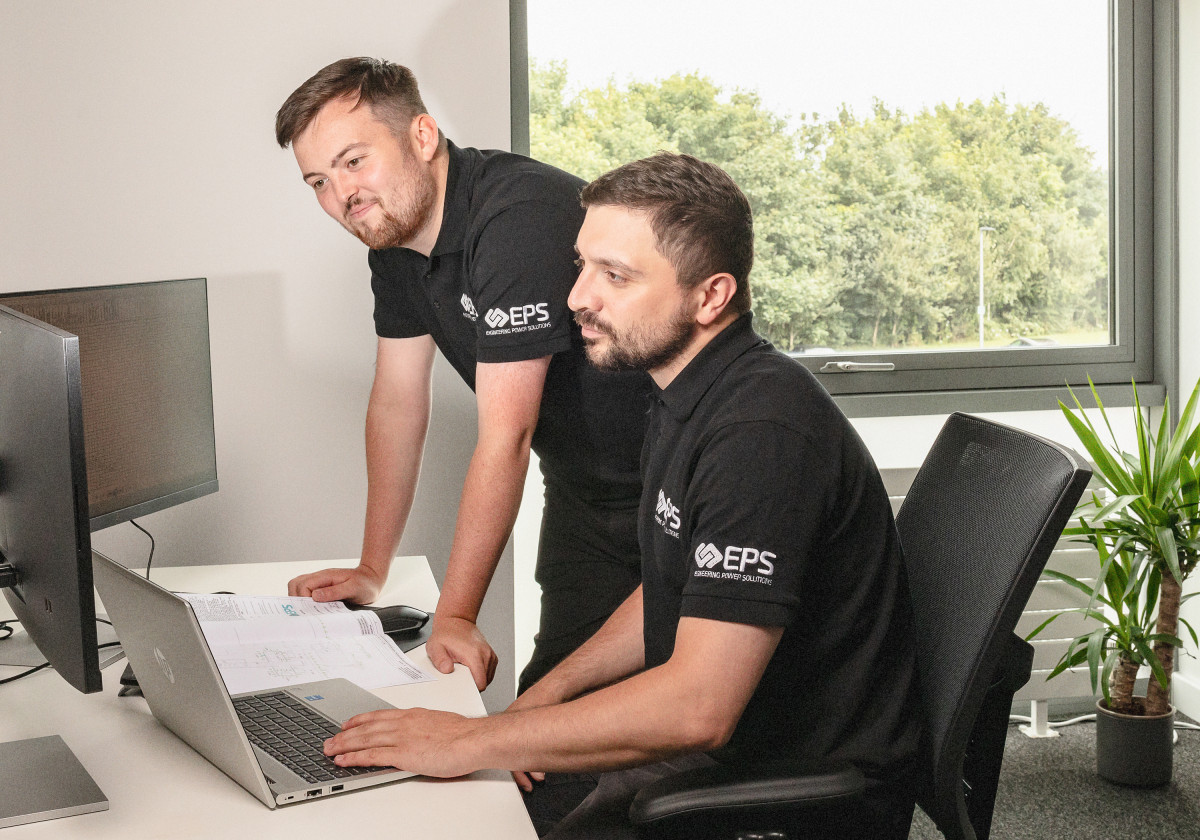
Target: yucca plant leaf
<point x="1070" y="581"/>
<point x="1103" y="414"/>
<point x="1189" y="490"/>
<point x="1110" y="662"/>
<point x="1095" y="651"/>
<point x="1182" y="445"/>
<point x="1145" y="458"/>
<point x="1170" y="554"/>
<point x="1164" y="638"/>
<point x="1148" y="658"/>
<point x="1150" y="601"/>
<point x="1192" y="444"/>
<point x="1187" y="625"/>
<point x="1032" y="634"/>
<point x="1113" y="473"/>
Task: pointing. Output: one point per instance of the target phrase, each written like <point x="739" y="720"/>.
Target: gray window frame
<point x="1143" y="233"/>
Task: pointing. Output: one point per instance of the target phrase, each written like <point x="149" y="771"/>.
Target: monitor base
<point x="41" y="779"/>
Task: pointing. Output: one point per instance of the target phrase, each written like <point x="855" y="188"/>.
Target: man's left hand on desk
<point x="422" y="740"/>
<point x="458" y="640"/>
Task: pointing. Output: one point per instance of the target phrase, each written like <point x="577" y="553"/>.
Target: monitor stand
<point x="41" y="779"/>
<point x="19" y="650"/>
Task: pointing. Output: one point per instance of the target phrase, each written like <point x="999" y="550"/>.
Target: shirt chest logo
<point x="666" y="515"/>
<point x="468" y="306"/>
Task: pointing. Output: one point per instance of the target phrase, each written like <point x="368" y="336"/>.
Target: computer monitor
<point x="44" y="535"/>
<point x="106" y="414"/>
<point x="147" y="391"/>
<point x="45" y="552"/>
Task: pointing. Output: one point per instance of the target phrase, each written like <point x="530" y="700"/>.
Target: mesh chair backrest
<point x="977" y="526"/>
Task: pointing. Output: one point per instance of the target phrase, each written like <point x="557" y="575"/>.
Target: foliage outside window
<point x="867" y="226"/>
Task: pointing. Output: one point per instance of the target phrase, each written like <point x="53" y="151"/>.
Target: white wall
<point x="137" y="140"/>
<point x="1187" y="683"/>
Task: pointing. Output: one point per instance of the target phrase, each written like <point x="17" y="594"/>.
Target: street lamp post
<point x="980" y="309"/>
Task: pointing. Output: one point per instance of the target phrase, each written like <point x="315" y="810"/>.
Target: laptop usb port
<point x="337" y="788"/>
<point x="313" y="793"/>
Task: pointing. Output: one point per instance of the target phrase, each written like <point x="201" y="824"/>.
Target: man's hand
<point x="458" y="640"/>
<point x="423" y="741"/>
<point x="360" y="585"/>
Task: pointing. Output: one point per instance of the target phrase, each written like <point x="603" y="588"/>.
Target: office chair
<point x="977" y="526"/>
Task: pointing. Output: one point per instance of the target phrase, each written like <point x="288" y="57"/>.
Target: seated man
<point x="772" y="622"/>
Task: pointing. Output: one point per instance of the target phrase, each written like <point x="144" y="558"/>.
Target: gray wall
<point x="137" y="140"/>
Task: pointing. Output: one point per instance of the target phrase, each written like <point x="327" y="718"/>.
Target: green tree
<point x="867" y="230"/>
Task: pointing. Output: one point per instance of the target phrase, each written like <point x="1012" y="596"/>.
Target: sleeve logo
<point x="708" y="555"/>
<point x="515" y="319"/>
<point x="746" y="564"/>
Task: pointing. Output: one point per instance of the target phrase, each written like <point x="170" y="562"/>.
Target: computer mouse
<point x="400" y="618"/>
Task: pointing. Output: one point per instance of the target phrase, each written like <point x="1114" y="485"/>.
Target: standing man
<point x="773" y="621"/>
<point x="472" y="253"/>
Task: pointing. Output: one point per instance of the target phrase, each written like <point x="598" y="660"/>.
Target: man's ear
<point x="424" y="132"/>
<point x="715" y="293"/>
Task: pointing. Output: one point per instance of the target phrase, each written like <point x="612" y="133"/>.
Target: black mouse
<point x="401" y="618"/>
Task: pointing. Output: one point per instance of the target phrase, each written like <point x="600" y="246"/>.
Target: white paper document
<point x="263" y="641"/>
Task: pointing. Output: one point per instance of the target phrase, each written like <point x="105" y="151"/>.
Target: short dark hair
<point x="700" y="218"/>
<point x="389" y="90"/>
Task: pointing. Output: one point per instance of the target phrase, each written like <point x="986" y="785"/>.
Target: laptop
<point x="180" y="681"/>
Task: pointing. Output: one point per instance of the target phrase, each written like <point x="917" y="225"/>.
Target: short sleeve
<point x="757" y="504"/>
<point x="522" y="270"/>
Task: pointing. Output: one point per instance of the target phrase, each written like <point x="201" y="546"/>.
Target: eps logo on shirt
<point x="468" y="306"/>
<point x="522" y="318"/>
<point x="734" y="563"/>
<point x="666" y="514"/>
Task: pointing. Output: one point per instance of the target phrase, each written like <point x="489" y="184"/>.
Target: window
<point x="948" y="195"/>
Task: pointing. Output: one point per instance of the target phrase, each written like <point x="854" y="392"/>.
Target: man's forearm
<point x="690" y="703"/>
<point x="636" y="721"/>
<point x="614" y="652"/>
<point x="395" y="441"/>
<point x="490" y="500"/>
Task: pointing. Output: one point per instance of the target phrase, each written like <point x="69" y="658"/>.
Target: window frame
<point x="1142" y="263"/>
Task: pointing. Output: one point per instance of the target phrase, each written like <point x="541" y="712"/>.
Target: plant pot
<point x="1134" y="750"/>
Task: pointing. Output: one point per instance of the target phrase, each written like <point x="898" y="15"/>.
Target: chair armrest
<point x="730" y="791"/>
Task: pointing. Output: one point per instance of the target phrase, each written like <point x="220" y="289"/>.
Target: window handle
<point x="856" y="367"/>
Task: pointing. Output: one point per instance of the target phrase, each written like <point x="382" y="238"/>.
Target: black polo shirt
<point x="762" y="506"/>
<point x="494" y="289"/>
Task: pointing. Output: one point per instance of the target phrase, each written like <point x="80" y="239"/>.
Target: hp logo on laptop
<point x="165" y="665"/>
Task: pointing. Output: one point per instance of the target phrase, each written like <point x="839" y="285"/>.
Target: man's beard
<point x="639" y="347"/>
<point x="401" y="222"/>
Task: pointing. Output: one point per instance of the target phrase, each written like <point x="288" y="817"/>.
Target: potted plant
<point x="1145" y="527"/>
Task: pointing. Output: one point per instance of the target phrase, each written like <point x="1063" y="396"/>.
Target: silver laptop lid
<point x="176" y="671"/>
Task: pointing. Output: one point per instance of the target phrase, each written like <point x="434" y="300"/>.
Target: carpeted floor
<point x="1049" y="790"/>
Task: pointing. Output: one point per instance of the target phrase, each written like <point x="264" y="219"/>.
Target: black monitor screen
<point x="147" y="391"/>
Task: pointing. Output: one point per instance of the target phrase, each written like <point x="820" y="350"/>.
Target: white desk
<point x="157" y="786"/>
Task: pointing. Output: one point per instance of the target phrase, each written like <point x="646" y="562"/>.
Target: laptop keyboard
<point x="293" y="734"/>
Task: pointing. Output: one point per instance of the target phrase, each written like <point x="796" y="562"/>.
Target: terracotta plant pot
<point x="1134" y="750"/>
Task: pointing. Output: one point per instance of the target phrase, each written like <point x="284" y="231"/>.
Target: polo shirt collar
<point x="452" y="236"/>
<point x="691" y="384"/>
